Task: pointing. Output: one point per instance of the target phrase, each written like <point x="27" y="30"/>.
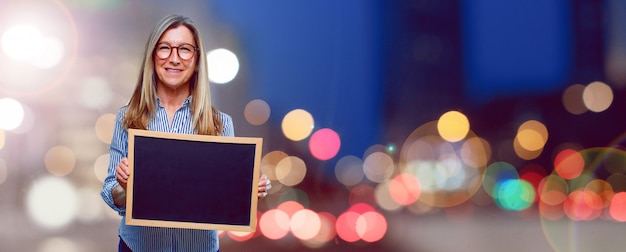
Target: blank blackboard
<point x="192" y="181"/>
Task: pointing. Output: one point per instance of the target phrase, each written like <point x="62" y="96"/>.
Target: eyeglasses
<point x="185" y="51"/>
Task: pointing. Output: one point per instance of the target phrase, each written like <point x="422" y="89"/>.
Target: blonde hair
<point x="142" y="105"/>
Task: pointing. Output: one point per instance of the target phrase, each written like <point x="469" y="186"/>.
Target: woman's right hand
<point x="122" y="172"/>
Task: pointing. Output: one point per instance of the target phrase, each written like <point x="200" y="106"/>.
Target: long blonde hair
<point x="142" y="105"/>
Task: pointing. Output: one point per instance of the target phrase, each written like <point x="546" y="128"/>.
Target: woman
<point x="171" y="95"/>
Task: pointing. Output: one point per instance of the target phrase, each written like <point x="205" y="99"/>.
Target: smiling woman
<point x="171" y="95"/>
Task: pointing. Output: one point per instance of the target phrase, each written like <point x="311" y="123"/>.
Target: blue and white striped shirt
<point x="156" y="239"/>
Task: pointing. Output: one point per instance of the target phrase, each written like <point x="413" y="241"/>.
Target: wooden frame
<point x="192" y="181"/>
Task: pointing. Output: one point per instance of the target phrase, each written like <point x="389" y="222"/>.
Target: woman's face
<point x="174" y="71"/>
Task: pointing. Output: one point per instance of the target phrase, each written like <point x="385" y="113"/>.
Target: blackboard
<point x="192" y="181"/>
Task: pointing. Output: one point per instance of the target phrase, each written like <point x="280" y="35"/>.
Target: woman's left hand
<point x="265" y="184"/>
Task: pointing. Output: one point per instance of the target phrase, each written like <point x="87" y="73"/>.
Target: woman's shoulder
<point x="121" y="112"/>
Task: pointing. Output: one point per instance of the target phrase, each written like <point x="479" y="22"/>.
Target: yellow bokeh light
<point x="453" y="126"/>
<point x="598" y="96"/>
<point x="297" y="124"/>
<point x="530" y="140"/>
<point x="524" y="153"/>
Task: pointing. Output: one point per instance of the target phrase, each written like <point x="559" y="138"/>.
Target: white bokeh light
<point x="11" y="114"/>
<point x="52" y="202"/>
<point x="50" y="53"/>
<point x="223" y="65"/>
<point x="21" y="42"/>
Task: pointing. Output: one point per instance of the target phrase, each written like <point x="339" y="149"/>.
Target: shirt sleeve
<point x="228" y="129"/>
<point x="117" y="151"/>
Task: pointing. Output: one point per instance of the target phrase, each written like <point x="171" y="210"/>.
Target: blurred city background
<point x="412" y="125"/>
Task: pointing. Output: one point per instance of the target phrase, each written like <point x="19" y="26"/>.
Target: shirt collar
<point x="185" y="103"/>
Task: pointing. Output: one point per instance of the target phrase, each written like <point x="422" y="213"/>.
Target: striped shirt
<point x="156" y="239"/>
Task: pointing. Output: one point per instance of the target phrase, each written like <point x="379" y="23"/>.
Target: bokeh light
<point x="476" y="152"/>
<point x="569" y="164"/>
<point x="25" y="42"/>
<point x="52" y="202"/>
<point x="240" y="236"/>
<point x="101" y="166"/>
<point x="598" y="96"/>
<point x="55" y="244"/>
<point x="297" y="124"/>
<point x="371" y="226"/>
<point x="326" y="231"/>
<point x="349" y="170"/>
<point x="2" y="138"/>
<point x="60" y="160"/>
<point x="22" y="42"/>
<point x="617" y="208"/>
<point x="382" y="194"/>
<point x="497" y="173"/>
<point x="532" y="135"/>
<point x="223" y="65"/>
<point x="346" y="226"/>
<point x="453" y="126"/>
<point x="269" y="162"/>
<point x="50" y="53"/>
<point x="290" y="171"/>
<point x="257" y="112"/>
<point x="362" y="193"/>
<point x="324" y="144"/>
<point x="4" y="171"/>
<point x="274" y="224"/>
<point x="573" y="99"/>
<point x="378" y="166"/>
<point x="514" y="194"/>
<point x="405" y="189"/>
<point x="11" y="114"/>
<point x="104" y="127"/>
<point x="305" y="224"/>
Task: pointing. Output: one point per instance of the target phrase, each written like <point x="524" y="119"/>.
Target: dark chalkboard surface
<point x="192" y="181"/>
